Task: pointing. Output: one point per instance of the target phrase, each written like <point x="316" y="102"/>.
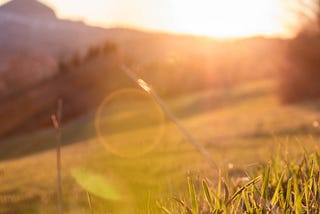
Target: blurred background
<point x="242" y="77"/>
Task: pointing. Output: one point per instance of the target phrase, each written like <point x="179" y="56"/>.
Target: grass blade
<point x="193" y="196"/>
<point x="189" y="211"/>
<point x="237" y="193"/>
<point x="90" y="202"/>
<point x="207" y="194"/>
<point x="264" y="188"/>
<point x="276" y="194"/>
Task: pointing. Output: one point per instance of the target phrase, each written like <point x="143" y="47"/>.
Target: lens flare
<point x="129" y="123"/>
<point x="96" y="184"/>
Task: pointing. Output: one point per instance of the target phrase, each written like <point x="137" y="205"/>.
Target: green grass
<point x="239" y="126"/>
<point x="282" y="186"/>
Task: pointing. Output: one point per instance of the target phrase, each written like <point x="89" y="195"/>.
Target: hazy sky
<point x="218" y="18"/>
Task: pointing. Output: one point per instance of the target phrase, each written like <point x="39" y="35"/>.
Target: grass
<point x="282" y="186"/>
<point x="238" y="126"/>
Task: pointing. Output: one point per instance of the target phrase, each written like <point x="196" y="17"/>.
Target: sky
<point x="216" y="18"/>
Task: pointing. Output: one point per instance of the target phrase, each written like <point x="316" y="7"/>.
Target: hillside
<point x="29" y="26"/>
<point x="44" y="59"/>
<point x="33" y="41"/>
<point x="243" y="127"/>
<point x="120" y="120"/>
<point x="178" y="62"/>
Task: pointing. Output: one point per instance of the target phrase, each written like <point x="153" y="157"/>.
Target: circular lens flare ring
<point x="129" y="123"/>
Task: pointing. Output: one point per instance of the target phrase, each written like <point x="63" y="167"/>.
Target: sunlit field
<point x="132" y="169"/>
<point x="169" y="107"/>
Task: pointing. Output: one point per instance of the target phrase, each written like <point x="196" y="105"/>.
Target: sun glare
<point x="217" y="18"/>
<point x="227" y="18"/>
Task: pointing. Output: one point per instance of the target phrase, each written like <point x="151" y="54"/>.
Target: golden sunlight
<point x="227" y="18"/>
<point x="216" y="18"/>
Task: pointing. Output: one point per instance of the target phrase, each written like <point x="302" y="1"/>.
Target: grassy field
<point x="240" y="126"/>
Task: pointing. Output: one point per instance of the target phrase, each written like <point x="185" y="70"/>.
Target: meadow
<point x="242" y="127"/>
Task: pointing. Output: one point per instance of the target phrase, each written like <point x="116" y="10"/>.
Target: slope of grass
<point x="239" y="127"/>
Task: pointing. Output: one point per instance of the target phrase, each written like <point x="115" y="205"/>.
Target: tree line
<point x="300" y="80"/>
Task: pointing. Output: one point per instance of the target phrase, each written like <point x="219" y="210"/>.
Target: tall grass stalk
<point x="90" y="203"/>
<point x="56" y="120"/>
<point x="147" y="88"/>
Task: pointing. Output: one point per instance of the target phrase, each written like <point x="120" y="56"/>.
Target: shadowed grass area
<point x="247" y="111"/>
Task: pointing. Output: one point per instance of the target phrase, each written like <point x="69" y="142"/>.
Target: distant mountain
<point x="28" y="8"/>
<point x="28" y="25"/>
<point x="33" y="41"/>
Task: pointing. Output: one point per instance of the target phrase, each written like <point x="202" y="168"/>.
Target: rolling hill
<point x="33" y="40"/>
<point x="44" y="59"/>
